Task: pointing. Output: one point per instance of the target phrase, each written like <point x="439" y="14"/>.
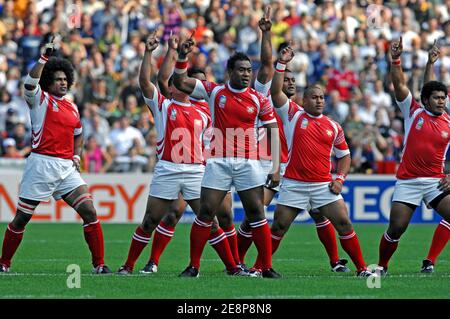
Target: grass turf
<point x="39" y="268"/>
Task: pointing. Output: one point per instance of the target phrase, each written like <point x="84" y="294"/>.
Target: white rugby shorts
<point x="170" y="179"/>
<point x="306" y="195"/>
<point x="414" y="190"/>
<point x="224" y="172"/>
<point x="45" y="176"/>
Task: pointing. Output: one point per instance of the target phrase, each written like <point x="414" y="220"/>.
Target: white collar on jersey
<point x="180" y="103"/>
<point x="429" y="113"/>
<point x="196" y="100"/>
<point x="235" y="90"/>
<point x="314" y="117"/>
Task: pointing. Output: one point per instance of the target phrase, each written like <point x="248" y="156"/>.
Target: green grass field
<point x="39" y="268"/>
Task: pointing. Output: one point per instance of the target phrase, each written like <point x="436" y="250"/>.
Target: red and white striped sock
<point x="11" y="242"/>
<point x="232" y="241"/>
<point x="263" y="242"/>
<point x="219" y="242"/>
<point x="276" y="240"/>
<point x="200" y="232"/>
<point x="244" y="241"/>
<point x="138" y="242"/>
<point x="163" y="235"/>
<point x="327" y="236"/>
<point x="350" y="243"/>
<point x="387" y="248"/>
<point x="440" y="239"/>
<point x="93" y="235"/>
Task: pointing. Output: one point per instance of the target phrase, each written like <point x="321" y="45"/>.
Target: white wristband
<point x="280" y="67"/>
<point x="76" y="158"/>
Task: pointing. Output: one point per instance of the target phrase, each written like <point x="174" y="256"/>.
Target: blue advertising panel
<point x="368" y="200"/>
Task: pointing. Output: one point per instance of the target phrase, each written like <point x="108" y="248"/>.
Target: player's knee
<point x="225" y="220"/>
<point x="171" y="219"/>
<point x="20" y="220"/>
<point x="279" y="228"/>
<point x="206" y="212"/>
<point x="343" y="226"/>
<point x="317" y="216"/>
<point x="396" y="231"/>
<point x="214" y="227"/>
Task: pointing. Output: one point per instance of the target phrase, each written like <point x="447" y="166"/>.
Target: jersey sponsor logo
<point x="444" y="134"/>
<point x="304" y="123"/>
<point x="222" y="101"/>
<point x="419" y="123"/>
<point x="250" y="109"/>
<point x="173" y="115"/>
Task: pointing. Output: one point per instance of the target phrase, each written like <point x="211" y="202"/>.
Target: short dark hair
<point x="238" y="56"/>
<point x="194" y="70"/>
<point x="310" y="88"/>
<point x="431" y="86"/>
<point x="53" y="65"/>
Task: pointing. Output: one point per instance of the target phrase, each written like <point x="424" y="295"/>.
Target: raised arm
<point x="265" y="72"/>
<point x="273" y="137"/>
<point x="180" y="79"/>
<point x="433" y="55"/>
<point x="146" y="66"/>
<point x="165" y="71"/>
<point x="276" y="89"/>
<point x="397" y="75"/>
<point x="34" y="76"/>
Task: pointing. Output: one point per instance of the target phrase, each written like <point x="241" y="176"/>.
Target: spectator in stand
<point x="343" y="80"/>
<point x="95" y="159"/>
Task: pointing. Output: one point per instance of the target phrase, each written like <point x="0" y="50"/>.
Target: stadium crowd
<point x="341" y="44"/>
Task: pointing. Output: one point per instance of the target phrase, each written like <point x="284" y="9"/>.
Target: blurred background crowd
<point x="340" y="44"/>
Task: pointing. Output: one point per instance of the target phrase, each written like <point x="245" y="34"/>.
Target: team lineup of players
<point x="211" y="137"/>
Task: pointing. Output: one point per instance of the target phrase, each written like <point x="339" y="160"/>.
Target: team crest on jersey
<point x="222" y="101"/>
<point x="173" y="115"/>
<point x="304" y="124"/>
<point x="419" y="123"/>
<point x="329" y="133"/>
<point x="444" y="134"/>
<point x="250" y="109"/>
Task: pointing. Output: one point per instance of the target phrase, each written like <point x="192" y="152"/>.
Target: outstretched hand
<point x="434" y="53"/>
<point x="152" y="42"/>
<point x="265" y="24"/>
<point x="50" y="47"/>
<point x="396" y="49"/>
<point x="173" y="41"/>
<point x="186" y="46"/>
<point x="287" y="54"/>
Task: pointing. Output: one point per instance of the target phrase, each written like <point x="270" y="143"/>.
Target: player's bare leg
<point x="156" y="209"/>
<point x="399" y="219"/>
<point x="164" y="233"/>
<point x="81" y="201"/>
<point x="283" y="218"/>
<point x="15" y="230"/>
<point x="225" y="219"/>
<point x="336" y="212"/>
<point x="441" y="235"/>
<point x="252" y="201"/>
<point x="217" y="240"/>
<point x="244" y="237"/>
<point x="327" y="236"/>
<point x="210" y="201"/>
